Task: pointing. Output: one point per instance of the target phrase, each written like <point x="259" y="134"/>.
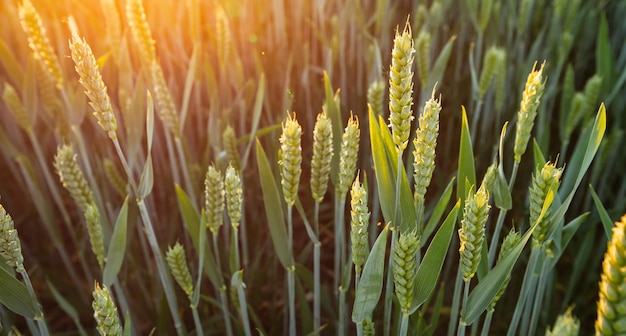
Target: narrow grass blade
<point x="371" y="283"/>
<point x="127" y="325"/>
<point x="331" y="108"/>
<point x="592" y="141"/>
<point x="256" y="117"/>
<point x="63" y="303"/>
<point x="117" y="247"/>
<point x="437" y="212"/>
<point x="273" y="208"/>
<point x="440" y="65"/>
<point x="502" y="192"/>
<point x="146" y="181"/>
<point x="604" y="57"/>
<point x="568" y="232"/>
<point x="607" y="223"/>
<point x="539" y="158"/>
<point x="432" y="264"/>
<point x="14" y="295"/>
<point x="481" y="297"/>
<point x="189" y="80"/>
<point x="196" y="227"/>
<point x="466" y="160"/>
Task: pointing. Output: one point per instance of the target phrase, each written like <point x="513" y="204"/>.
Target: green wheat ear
<point x="94" y="230"/>
<point x="90" y="78"/>
<point x="105" y="312"/>
<point x="405" y="268"/>
<point x="565" y="325"/>
<point x="72" y="177"/>
<point x="507" y="246"/>
<point x="229" y="140"/>
<point x="472" y="231"/>
<point x="401" y="87"/>
<point x="10" y="246"/>
<point x="14" y="104"/>
<point x="360" y="216"/>
<point x="177" y="262"/>
<point x="528" y="110"/>
<point x="425" y="143"/>
<point x="322" y="156"/>
<point x="489" y="179"/>
<point x="291" y="158"/>
<point x="544" y="179"/>
<point x="422" y="44"/>
<point x="375" y="96"/>
<point x="611" y="313"/>
<point x="349" y="155"/>
<point x="234" y="198"/>
<point x="214" y="199"/>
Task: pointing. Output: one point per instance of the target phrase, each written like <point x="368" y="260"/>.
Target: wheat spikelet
<point x="322" y="156"/>
<point x="140" y="29"/>
<point x="592" y="92"/>
<point x="113" y="26"/>
<point x="229" y="139"/>
<point x="360" y="215"/>
<point x="94" y="230"/>
<point x="234" y="197"/>
<point x="425" y="143"/>
<point x="544" y="179"/>
<point x="422" y="46"/>
<point x="368" y="327"/>
<point x="214" y="198"/>
<point x="72" y="177"/>
<point x="472" y="231"/>
<point x="105" y="312"/>
<point x="177" y="262"/>
<point x="487" y="72"/>
<point x="405" y="268"/>
<point x="565" y="325"/>
<point x="499" y="80"/>
<point x="489" y="179"/>
<point x="16" y="108"/>
<point x="39" y="43"/>
<point x="507" y="246"/>
<point x="611" y="313"/>
<point x="348" y="155"/>
<point x="401" y="88"/>
<point x="375" y="96"/>
<point x="90" y="78"/>
<point x="10" y="246"/>
<point x="528" y="110"/>
<point x="164" y="101"/>
<point x="291" y="158"/>
<point x="114" y="177"/>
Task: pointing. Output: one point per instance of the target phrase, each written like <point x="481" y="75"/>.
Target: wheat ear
<point x="401" y="87"/>
<point x="322" y="156"/>
<point x="105" y="312"/>
<point x="291" y="158"/>
<point x="611" y="313"/>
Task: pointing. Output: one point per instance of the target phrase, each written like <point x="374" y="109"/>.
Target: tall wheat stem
<point x="316" y="269"/>
<point x="222" y="290"/>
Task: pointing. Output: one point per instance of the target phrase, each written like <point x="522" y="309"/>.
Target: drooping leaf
<point x="606" y="220"/>
<point x="273" y="208"/>
<point x="256" y="116"/>
<point x="14" y="295"/>
<point x="502" y="192"/>
<point x="117" y="247"/>
<point x="371" y="283"/>
<point x="428" y="272"/>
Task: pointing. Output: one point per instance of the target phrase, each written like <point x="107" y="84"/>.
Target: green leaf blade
<point x="117" y="247"/>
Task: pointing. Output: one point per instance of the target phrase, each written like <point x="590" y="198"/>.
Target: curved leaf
<point x="14" y="295"/>
<point x="432" y="264"/>
<point x="466" y="160"/>
<point x="371" y="283"/>
<point x="273" y="208"/>
<point x="117" y="247"/>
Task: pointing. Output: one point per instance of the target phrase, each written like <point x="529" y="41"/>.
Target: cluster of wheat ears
<point x="404" y="274"/>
